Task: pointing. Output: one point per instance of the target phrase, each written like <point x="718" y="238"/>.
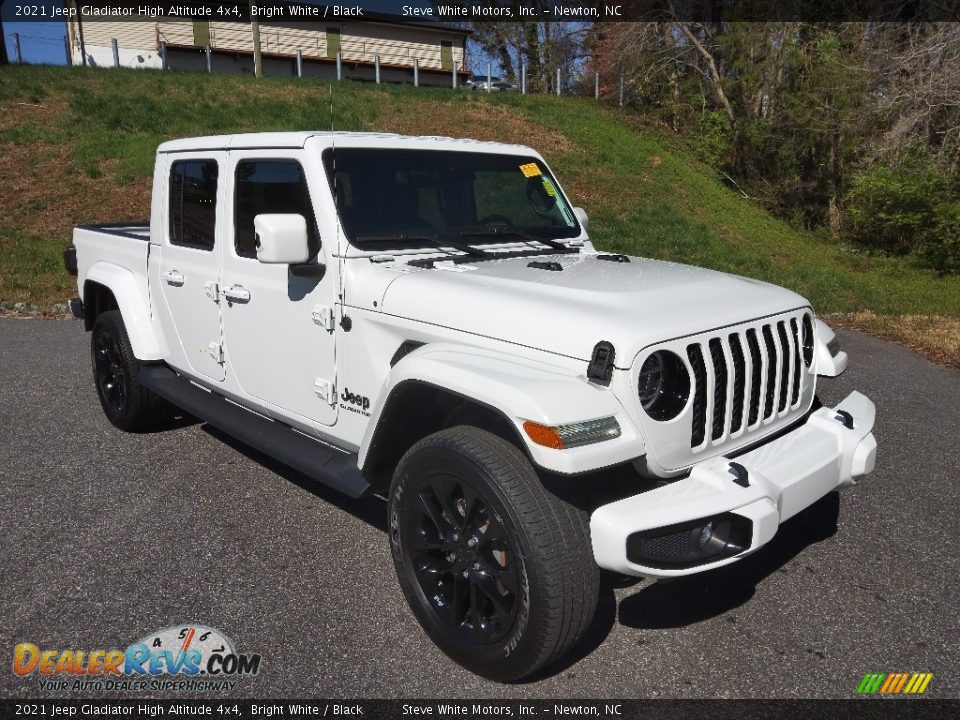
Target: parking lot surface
<point x="109" y="536"/>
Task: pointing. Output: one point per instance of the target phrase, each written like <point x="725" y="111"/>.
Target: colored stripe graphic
<point x="871" y="683"/>
<point x="894" y="683"/>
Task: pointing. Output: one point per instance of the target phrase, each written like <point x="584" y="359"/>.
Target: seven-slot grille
<point x="744" y="378"/>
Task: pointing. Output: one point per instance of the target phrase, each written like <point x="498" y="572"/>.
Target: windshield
<point x="397" y="198"/>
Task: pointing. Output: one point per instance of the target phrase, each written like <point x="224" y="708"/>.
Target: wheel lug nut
<point x="476" y="566"/>
<point x="466" y="574"/>
<point x="472" y="542"/>
<point x="456" y="537"/>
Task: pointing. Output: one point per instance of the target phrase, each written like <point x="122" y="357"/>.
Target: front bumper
<point x="755" y="493"/>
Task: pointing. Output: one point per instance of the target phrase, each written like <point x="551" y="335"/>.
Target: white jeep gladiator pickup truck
<point x="426" y="318"/>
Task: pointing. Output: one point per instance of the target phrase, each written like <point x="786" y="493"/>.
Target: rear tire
<point x="116" y="373"/>
<point x="498" y="571"/>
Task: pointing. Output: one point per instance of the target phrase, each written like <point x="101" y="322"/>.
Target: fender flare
<point x="134" y="309"/>
<point x="518" y="389"/>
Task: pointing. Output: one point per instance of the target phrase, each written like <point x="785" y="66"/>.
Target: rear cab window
<point x="193" y="203"/>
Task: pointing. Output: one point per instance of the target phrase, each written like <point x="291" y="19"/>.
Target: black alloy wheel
<point x="462" y="558"/>
<point x="108" y="367"/>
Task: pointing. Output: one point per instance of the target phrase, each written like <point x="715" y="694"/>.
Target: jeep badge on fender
<point x="361" y="402"/>
<point x="454" y="281"/>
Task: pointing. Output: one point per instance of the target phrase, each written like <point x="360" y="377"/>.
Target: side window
<point x="193" y="203"/>
<point x="270" y="186"/>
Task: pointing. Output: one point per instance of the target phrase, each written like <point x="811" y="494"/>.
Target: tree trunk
<point x="715" y="80"/>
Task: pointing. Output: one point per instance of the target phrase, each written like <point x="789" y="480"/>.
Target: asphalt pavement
<point x="108" y="536"/>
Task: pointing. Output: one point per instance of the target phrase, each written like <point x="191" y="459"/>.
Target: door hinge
<point x="216" y="352"/>
<point x="212" y="290"/>
<point x="323" y="316"/>
<point x="325" y="391"/>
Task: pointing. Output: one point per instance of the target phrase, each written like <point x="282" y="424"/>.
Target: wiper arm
<point x="432" y="239"/>
<point x="522" y="235"/>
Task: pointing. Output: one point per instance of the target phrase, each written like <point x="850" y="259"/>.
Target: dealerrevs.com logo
<point x="190" y="658"/>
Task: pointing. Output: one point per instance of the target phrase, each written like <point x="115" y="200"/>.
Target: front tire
<point x="116" y="373"/>
<point x="497" y="570"/>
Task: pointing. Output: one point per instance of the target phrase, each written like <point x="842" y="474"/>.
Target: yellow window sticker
<point x="530" y="170"/>
<point x="548" y="186"/>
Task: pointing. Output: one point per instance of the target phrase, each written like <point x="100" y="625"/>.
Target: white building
<point x="435" y="48"/>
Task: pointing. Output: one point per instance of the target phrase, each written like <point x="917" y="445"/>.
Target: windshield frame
<point x="450" y="238"/>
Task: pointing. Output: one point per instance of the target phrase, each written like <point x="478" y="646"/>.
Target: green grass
<point x="645" y="192"/>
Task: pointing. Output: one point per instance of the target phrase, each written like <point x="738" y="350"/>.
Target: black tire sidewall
<point x="128" y="418"/>
<point x="512" y="656"/>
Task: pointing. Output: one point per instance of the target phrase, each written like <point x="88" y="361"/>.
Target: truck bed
<point x="134" y="231"/>
<point x="109" y="248"/>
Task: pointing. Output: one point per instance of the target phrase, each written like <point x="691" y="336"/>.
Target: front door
<point x="277" y="321"/>
<point x="189" y="265"/>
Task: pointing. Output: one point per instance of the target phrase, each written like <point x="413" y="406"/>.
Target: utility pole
<point x="255" y="26"/>
<point x="76" y="5"/>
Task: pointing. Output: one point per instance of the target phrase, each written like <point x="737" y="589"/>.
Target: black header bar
<point x="455" y="13"/>
<point x="313" y="709"/>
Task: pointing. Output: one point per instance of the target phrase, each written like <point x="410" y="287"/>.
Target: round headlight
<point x="807" y="340"/>
<point x="663" y="385"/>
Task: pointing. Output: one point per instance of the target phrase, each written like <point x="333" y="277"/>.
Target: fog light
<point x="689" y="544"/>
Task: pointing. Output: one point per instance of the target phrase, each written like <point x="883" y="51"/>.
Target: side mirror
<point x="281" y="239"/>
<point x="582" y="217"/>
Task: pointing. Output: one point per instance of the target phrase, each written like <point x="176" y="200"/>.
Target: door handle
<point x="173" y="278"/>
<point x="237" y="293"/>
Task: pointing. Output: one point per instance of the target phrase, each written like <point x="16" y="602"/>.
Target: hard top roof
<point x="271" y="140"/>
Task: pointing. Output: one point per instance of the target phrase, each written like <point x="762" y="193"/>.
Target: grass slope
<point x="77" y="145"/>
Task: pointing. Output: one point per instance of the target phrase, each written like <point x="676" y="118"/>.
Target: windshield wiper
<point x="563" y="248"/>
<point x="432" y="239"/>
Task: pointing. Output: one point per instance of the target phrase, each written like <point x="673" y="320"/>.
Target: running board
<point x="321" y="462"/>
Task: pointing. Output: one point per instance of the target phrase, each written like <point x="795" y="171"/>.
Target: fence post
<point x="66" y="48"/>
<point x="596" y="86"/>
<point x="116" y="52"/>
<point x="339" y="65"/>
<point x="454" y="76"/>
<point x="376" y="66"/>
<point x="299" y="63"/>
<point x="523" y="79"/>
<point x="416" y="72"/>
<point x="16" y="48"/>
<point x="558" y="81"/>
<point x="209" y="60"/>
<point x="621" y="89"/>
<point x="489" y="77"/>
<point x="163" y="54"/>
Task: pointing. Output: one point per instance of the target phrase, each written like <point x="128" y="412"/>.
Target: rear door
<point x="189" y="265"/>
<point x="278" y="322"/>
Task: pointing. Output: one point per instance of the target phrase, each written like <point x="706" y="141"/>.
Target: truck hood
<point x="632" y="305"/>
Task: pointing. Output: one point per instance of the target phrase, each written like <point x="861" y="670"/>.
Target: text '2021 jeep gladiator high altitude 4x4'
<point x="427" y="318"/>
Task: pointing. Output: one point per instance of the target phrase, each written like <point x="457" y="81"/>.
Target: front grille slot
<point x="697" y="433"/>
<point x="736" y="352"/>
<point x="756" y="377"/>
<point x="771" y="372"/>
<point x="719" y="387"/>
<point x="744" y="378"/>
<point x="784" y="365"/>
<point x="795" y="393"/>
